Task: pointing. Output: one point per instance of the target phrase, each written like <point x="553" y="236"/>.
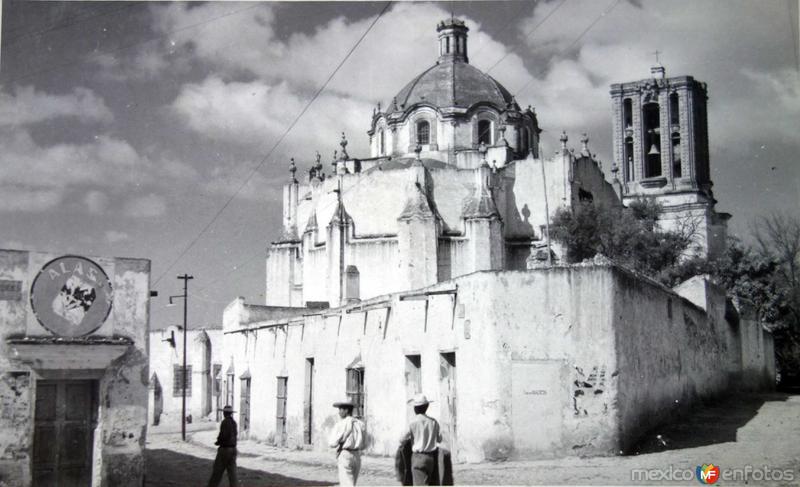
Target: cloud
<point x="20" y="198"/>
<point x="570" y="89"/>
<point x="255" y="114"/>
<point x="148" y="206"/>
<point x="401" y="44"/>
<point x="96" y="202"/>
<point x="114" y="236"/>
<point x="146" y="63"/>
<point x="105" y="161"/>
<point x="26" y="106"/>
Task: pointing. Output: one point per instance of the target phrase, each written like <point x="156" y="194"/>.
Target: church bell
<point x="653" y="151"/>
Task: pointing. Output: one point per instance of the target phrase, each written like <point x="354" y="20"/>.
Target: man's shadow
<point x="169" y="468"/>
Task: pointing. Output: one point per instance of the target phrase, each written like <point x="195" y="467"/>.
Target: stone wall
<point x="114" y="357"/>
<point x="602" y="354"/>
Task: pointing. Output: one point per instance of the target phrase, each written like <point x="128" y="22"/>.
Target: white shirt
<point x="342" y="433"/>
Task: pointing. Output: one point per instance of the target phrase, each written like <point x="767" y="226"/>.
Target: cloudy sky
<point x="134" y="128"/>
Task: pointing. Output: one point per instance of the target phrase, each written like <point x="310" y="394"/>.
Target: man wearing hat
<point x="424" y="435"/>
<point x="348" y="438"/>
<point x="226" y="453"/>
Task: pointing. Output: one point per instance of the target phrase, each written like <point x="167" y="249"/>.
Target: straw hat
<point x="420" y="400"/>
<point x="345" y="403"/>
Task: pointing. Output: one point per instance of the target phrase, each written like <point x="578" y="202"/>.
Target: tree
<point x="778" y="238"/>
<point x="629" y="236"/>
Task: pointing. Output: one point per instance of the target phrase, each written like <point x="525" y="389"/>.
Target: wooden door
<point x="447" y="391"/>
<point x="244" y="406"/>
<point x="308" y="403"/>
<point x="280" y="412"/>
<point x="64" y="420"/>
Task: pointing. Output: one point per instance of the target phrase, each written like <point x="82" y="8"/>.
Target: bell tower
<point x="661" y="150"/>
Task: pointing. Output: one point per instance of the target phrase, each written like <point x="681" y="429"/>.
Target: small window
<point x="177" y="381"/>
<point x="413" y="374"/>
<point x="352" y="284"/>
<point x="485" y="132"/>
<point x="216" y="380"/>
<point x="381" y="144"/>
<point x="447" y="45"/>
<point x="229" y="390"/>
<point x="423" y="132"/>
<point x="355" y="391"/>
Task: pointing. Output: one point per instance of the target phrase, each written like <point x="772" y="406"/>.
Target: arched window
<point x="423" y="132"/>
<point x="676" y="155"/>
<point x="381" y="144"/>
<point x="674" y="110"/>
<point x="485" y="132"/>
<point x="627" y="113"/>
<point x="652" y="130"/>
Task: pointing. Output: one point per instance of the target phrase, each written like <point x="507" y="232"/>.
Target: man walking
<point x="226" y="453"/>
<point x="347" y="437"/>
<point x="424" y="435"/>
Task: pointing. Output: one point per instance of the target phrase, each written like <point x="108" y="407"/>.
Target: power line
<point x="577" y="39"/>
<point x="528" y="34"/>
<point x="72" y="62"/>
<point x="795" y="36"/>
<point x="239" y="266"/>
<point x="19" y="28"/>
<point x="73" y="21"/>
<point x="275" y="146"/>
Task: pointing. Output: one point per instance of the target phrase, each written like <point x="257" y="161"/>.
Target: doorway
<point x="280" y="412"/>
<point x="308" y="403"/>
<point x="65" y="416"/>
<point x="447" y="392"/>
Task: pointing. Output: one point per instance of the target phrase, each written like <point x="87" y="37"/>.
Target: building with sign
<point x="73" y="369"/>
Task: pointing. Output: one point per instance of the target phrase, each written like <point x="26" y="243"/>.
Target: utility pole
<point x="185" y="297"/>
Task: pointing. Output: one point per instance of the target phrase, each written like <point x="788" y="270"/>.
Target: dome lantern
<point x="452" y="40"/>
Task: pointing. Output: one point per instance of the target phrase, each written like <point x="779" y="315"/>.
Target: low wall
<point x="670" y="351"/>
<point x="564" y="360"/>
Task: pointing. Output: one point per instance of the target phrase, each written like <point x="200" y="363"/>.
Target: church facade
<point x="426" y="267"/>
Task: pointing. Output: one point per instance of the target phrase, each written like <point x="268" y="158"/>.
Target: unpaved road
<point x="759" y="431"/>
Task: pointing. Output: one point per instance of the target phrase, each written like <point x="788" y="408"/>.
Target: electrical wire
<point x="275" y="146"/>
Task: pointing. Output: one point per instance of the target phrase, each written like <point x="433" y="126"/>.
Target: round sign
<point x="71" y="296"/>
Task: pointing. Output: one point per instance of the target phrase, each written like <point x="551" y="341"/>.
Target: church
<point x="455" y="183"/>
<point x="425" y="266"/>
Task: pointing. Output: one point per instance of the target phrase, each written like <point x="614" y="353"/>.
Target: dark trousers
<point x="226" y="460"/>
<point x="423" y="468"/>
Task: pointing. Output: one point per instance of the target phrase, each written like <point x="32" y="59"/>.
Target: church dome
<point x="452" y="83"/>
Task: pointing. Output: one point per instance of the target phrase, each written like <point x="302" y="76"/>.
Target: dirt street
<point x="756" y="434"/>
